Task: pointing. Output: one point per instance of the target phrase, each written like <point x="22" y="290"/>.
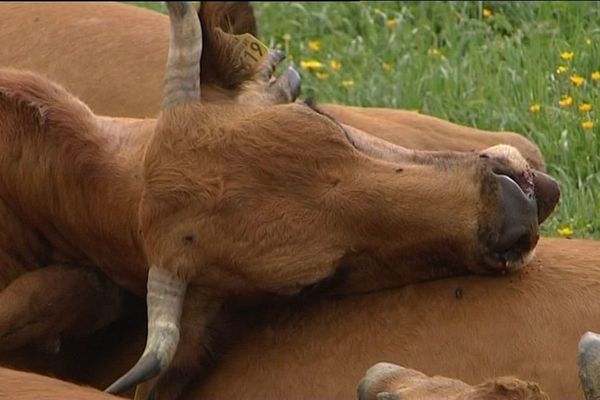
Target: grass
<point x="480" y="64"/>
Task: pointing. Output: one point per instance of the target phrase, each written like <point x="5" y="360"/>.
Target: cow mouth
<point x="513" y="260"/>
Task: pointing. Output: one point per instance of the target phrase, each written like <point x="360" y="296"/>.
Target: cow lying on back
<point x="244" y="201"/>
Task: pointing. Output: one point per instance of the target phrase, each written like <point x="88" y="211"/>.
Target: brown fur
<point x="104" y="67"/>
<point x="57" y="300"/>
<point x="17" y="385"/>
<point x="411" y="385"/>
<point x="221" y="74"/>
<point x="470" y="328"/>
<point x="505" y="388"/>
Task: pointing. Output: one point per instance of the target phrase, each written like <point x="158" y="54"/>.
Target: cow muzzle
<point x="525" y="203"/>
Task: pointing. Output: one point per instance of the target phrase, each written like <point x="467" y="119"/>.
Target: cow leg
<point x="41" y="305"/>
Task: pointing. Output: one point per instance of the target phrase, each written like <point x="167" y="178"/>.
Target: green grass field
<point x="527" y="67"/>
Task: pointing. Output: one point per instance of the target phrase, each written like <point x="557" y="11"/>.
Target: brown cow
<point x="104" y="52"/>
<point x="386" y="381"/>
<point x="271" y="186"/>
<point x="472" y="328"/>
<point x="383" y="381"/>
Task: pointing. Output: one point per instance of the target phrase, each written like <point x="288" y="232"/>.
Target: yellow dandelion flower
<point x="587" y="124"/>
<point x="335" y="65"/>
<point x="596" y="76"/>
<point x="588" y="41"/>
<point x="314" y="45"/>
<point x="391" y="23"/>
<point x="321" y="75"/>
<point x="534" y="108"/>
<point x="577" y="80"/>
<point x="585" y="107"/>
<point x="567" y="55"/>
<point x="287" y="37"/>
<point x="566" y="101"/>
<point x="433" y="51"/>
<point x="486" y="12"/>
<point x="348" y="83"/>
<point x="565" y="231"/>
<point x="561" y="69"/>
<point x="386" y="67"/>
<point x="311" y="64"/>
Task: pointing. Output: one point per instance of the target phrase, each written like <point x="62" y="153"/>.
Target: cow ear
<point x="221" y="64"/>
<point x="232" y="17"/>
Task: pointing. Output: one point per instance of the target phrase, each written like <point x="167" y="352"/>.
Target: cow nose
<point x="519" y="231"/>
<point x="547" y="193"/>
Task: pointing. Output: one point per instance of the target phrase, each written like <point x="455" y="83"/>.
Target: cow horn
<point x="182" y="75"/>
<point x="589" y="364"/>
<point x="164" y="300"/>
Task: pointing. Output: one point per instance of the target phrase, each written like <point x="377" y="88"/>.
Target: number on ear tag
<point x="252" y="51"/>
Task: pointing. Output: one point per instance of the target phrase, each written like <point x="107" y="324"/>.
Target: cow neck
<point x="119" y="191"/>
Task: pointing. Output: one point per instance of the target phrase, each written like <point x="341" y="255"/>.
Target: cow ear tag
<point x="252" y="51"/>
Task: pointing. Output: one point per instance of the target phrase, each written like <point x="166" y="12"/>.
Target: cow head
<point x="247" y="198"/>
<point x="385" y="381"/>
